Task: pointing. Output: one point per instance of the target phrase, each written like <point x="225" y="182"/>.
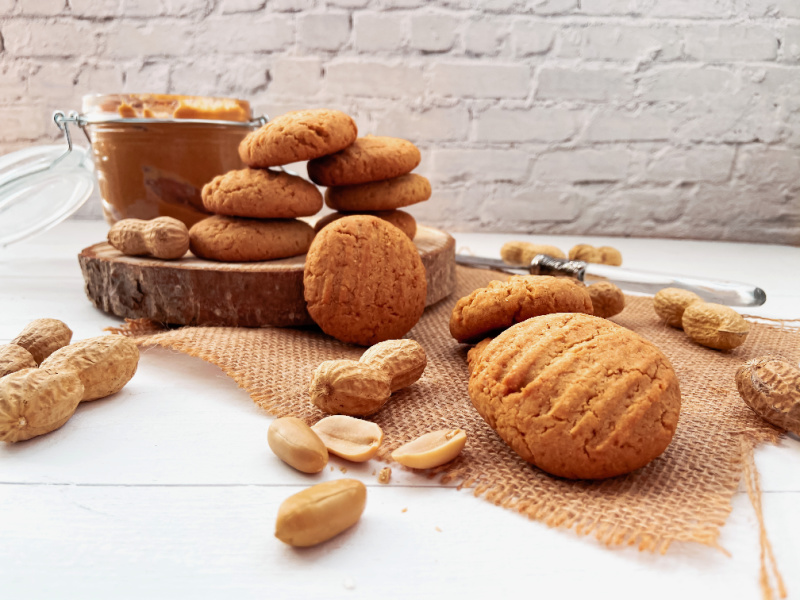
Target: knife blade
<point x="731" y="293"/>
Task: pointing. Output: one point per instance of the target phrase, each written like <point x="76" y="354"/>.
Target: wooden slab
<point x="192" y="291"/>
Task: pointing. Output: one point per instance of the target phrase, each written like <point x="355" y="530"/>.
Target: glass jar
<point x="154" y="153"/>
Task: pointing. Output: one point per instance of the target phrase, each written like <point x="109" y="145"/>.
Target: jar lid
<point x="42" y="186"/>
<point x="143" y="108"/>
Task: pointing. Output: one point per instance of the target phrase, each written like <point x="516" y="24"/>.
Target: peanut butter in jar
<point x="154" y="153"/>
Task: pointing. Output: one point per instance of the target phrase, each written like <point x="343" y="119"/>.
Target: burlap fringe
<point x="137" y="327"/>
<point x="767" y="558"/>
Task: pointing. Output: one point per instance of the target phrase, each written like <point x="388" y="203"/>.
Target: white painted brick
<point x="41" y="38"/>
<point x="374" y="31"/>
<point x="100" y="79"/>
<point x="433" y="33"/>
<point x="640" y="206"/>
<point x="629" y="43"/>
<point x="745" y="118"/>
<point x="237" y="6"/>
<point x="552" y="7"/>
<point x="525" y="205"/>
<point x="582" y="165"/>
<point x="646" y="124"/>
<point x="130" y="8"/>
<point x="25" y="122"/>
<point x="347" y="3"/>
<point x="242" y="77"/>
<point x="126" y="39"/>
<point x="483" y="37"/>
<point x="249" y="35"/>
<point x="710" y="9"/>
<point x="479" y="165"/>
<point x="324" y="31"/>
<point x="765" y="165"/>
<point x="726" y="43"/>
<point x="152" y="77"/>
<point x="299" y="77"/>
<point x="678" y="83"/>
<point x="773" y="8"/>
<point x="187" y="7"/>
<point x="443" y="208"/>
<point x="559" y="83"/>
<point x="434" y="124"/>
<point x="478" y="80"/>
<point x="609" y="7"/>
<point x="500" y="6"/>
<point x="6" y="6"/>
<point x="791" y="43"/>
<point x="98" y="8"/>
<point x="12" y="83"/>
<point x="53" y="80"/>
<point x="532" y="37"/>
<point x="529" y="125"/>
<point x="698" y="163"/>
<point x="42" y="7"/>
<point x="291" y="5"/>
<point x="402" y="3"/>
<point x="194" y="79"/>
<point x="366" y="78"/>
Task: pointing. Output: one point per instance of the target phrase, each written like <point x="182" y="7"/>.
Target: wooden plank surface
<point x="168" y="489"/>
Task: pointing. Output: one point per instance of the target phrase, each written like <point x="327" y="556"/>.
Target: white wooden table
<point x="169" y="490"/>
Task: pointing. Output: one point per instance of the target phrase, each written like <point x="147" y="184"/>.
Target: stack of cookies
<point x="256" y="209"/>
<point x="373" y="177"/>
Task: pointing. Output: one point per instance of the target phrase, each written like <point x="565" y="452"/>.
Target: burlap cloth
<point x="685" y="495"/>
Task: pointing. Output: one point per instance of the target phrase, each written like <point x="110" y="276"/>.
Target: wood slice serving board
<point x="191" y="291"/>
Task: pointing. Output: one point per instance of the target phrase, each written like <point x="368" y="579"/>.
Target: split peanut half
<point x="349" y="438"/>
<point x="432" y="449"/>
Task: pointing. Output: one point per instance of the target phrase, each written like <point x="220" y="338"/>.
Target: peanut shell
<point x="670" y="303"/>
<point x="404" y="360"/>
<point x="770" y="385"/>
<point x="104" y="364"/>
<point x="349" y="387"/>
<point x="14" y="358"/>
<point x="34" y="402"/>
<point x="714" y="325"/>
<point x="42" y="337"/>
<point x="607" y="299"/>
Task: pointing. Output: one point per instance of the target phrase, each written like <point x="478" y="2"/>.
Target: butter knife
<point x="731" y="293"/>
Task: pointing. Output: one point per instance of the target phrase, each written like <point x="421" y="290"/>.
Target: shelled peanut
<point x="163" y="237"/>
<point x="431" y="449"/>
<point x="297" y="445"/>
<point x="361" y="388"/>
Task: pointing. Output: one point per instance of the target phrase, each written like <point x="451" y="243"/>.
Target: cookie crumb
<point x="437" y="529"/>
<point x="385" y="475"/>
<point x="404" y="510"/>
<point x="343" y="469"/>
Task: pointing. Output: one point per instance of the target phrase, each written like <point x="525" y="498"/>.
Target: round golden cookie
<point x="299" y="135"/>
<point x="364" y="281"/>
<point x="379" y="195"/>
<point x="231" y="239"/>
<point x="501" y="304"/>
<point x="261" y="194"/>
<point x="367" y="159"/>
<point x="578" y="396"/>
<point x="400" y="219"/>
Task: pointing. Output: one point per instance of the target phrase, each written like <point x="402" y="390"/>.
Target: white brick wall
<point x="675" y="118"/>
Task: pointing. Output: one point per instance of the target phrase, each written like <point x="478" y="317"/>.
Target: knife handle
<point x="731" y="293"/>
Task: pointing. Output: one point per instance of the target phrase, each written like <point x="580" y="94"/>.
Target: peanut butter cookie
<point x="364" y="281"/>
<point x="231" y="239"/>
<point x="379" y="195"/>
<point x="501" y="304"/>
<point x="578" y="396"/>
<point x="299" y="135"/>
<point x="261" y="194"/>
<point x="400" y="219"/>
<point x="367" y="159"/>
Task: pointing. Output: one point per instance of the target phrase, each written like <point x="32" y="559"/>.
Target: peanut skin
<point x="164" y="237"/>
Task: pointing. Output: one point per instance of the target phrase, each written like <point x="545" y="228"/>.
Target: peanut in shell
<point x="770" y="385"/>
<point x="669" y="304"/>
<point x="42" y="337"/>
<point x="349" y="387"/>
<point x="714" y="325"/>
<point x="404" y="361"/>
<point x="14" y="358"/>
